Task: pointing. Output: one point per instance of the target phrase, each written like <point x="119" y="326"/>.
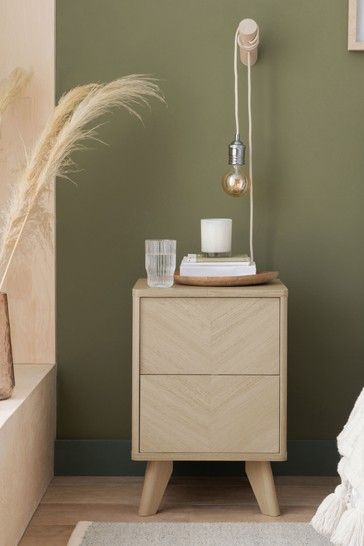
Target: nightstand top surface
<point x="275" y="289"/>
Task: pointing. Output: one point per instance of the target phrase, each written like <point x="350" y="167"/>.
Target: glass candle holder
<point x="160" y="262"/>
<point x="216" y="236"/>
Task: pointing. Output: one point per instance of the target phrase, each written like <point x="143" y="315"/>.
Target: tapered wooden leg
<point x="261" y="479"/>
<point x="156" y="478"/>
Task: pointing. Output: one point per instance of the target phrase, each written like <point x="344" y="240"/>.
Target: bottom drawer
<point x="207" y="413"/>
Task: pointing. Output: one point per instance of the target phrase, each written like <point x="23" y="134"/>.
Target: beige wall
<point x="27" y="40"/>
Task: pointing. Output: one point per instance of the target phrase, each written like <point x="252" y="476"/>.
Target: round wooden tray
<point x="263" y="277"/>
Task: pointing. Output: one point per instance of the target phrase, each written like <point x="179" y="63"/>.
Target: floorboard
<point x="70" y="499"/>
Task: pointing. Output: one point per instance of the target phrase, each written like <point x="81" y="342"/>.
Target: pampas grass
<point x="64" y="133"/>
<point x="12" y="87"/>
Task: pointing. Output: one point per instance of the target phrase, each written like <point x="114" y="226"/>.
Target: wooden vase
<point x="7" y="380"/>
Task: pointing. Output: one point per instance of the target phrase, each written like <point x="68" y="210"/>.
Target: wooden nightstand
<point x="209" y="382"/>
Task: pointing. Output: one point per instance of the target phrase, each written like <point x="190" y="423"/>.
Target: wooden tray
<point x="263" y="277"/>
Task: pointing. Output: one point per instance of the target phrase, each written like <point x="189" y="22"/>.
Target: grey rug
<point x="195" y="534"/>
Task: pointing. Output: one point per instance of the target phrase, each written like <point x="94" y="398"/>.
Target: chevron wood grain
<point x="209" y="381"/>
<point x="210" y="336"/>
<point x="206" y="413"/>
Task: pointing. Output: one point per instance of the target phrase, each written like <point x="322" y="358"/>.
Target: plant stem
<point x="13" y="251"/>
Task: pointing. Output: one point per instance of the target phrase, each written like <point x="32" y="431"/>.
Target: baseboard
<point x="112" y="458"/>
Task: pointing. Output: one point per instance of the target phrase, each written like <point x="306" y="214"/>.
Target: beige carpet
<point x="195" y="534"/>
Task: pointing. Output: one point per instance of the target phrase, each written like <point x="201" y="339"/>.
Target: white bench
<point x="27" y="433"/>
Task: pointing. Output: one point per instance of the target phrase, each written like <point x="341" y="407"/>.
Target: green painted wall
<point x="160" y="179"/>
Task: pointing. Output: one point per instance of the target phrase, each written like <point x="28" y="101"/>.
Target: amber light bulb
<point x="236" y="181"/>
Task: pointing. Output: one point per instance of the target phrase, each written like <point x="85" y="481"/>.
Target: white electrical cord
<point x="236" y="83"/>
<point x="250" y="144"/>
<point x="248" y="47"/>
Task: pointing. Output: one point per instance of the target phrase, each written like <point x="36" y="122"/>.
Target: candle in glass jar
<point x="216" y="235"/>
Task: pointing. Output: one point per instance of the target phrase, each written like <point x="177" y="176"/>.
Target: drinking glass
<point x="160" y="262"/>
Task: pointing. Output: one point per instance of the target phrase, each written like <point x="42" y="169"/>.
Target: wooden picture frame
<point x="356" y="25"/>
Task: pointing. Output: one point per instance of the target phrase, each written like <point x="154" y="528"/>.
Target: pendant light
<point x="238" y="181"/>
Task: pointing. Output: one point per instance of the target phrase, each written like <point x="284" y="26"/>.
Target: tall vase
<point x="7" y="380"/>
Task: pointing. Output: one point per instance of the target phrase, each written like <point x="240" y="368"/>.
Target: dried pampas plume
<point x="67" y="127"/>
<point x="12" y="87"/>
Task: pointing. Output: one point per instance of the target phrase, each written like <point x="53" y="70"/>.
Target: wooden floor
<point x="72" y="499"/>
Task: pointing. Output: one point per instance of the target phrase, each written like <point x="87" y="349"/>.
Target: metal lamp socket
<point x="236" y="152"/>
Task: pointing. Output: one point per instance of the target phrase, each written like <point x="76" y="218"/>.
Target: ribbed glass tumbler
<point x="160" y="262"/>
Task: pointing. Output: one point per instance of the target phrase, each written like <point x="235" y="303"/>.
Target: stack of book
<point x="199" y="265"/>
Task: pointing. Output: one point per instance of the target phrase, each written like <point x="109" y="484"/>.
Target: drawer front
<point x="209" y="335"/>
<point x="212" y="414"/>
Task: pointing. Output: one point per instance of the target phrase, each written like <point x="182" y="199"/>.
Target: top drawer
<point x="209" y="335"/>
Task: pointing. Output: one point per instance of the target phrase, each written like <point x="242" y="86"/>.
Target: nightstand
<point x="209" y="382"/>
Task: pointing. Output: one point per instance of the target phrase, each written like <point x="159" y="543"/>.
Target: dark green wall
<point x="160" y="179"/>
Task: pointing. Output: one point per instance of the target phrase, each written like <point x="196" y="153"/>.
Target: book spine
<point x="200" y="258"/>
<point x="237" y="271"/>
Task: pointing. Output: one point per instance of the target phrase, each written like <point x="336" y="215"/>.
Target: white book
<point x="213" y="269"/>
<point x="202" y="258"/>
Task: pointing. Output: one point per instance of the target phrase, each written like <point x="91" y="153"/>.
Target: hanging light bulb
<point x="236" y="181"/>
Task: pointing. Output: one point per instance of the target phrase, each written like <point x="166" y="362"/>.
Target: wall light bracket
<point x="248" y="41"/>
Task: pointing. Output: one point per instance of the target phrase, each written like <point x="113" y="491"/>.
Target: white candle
<point x="216" y="235"/>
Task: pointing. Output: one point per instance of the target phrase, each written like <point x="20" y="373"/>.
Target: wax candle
<point x="216" y="235"/>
